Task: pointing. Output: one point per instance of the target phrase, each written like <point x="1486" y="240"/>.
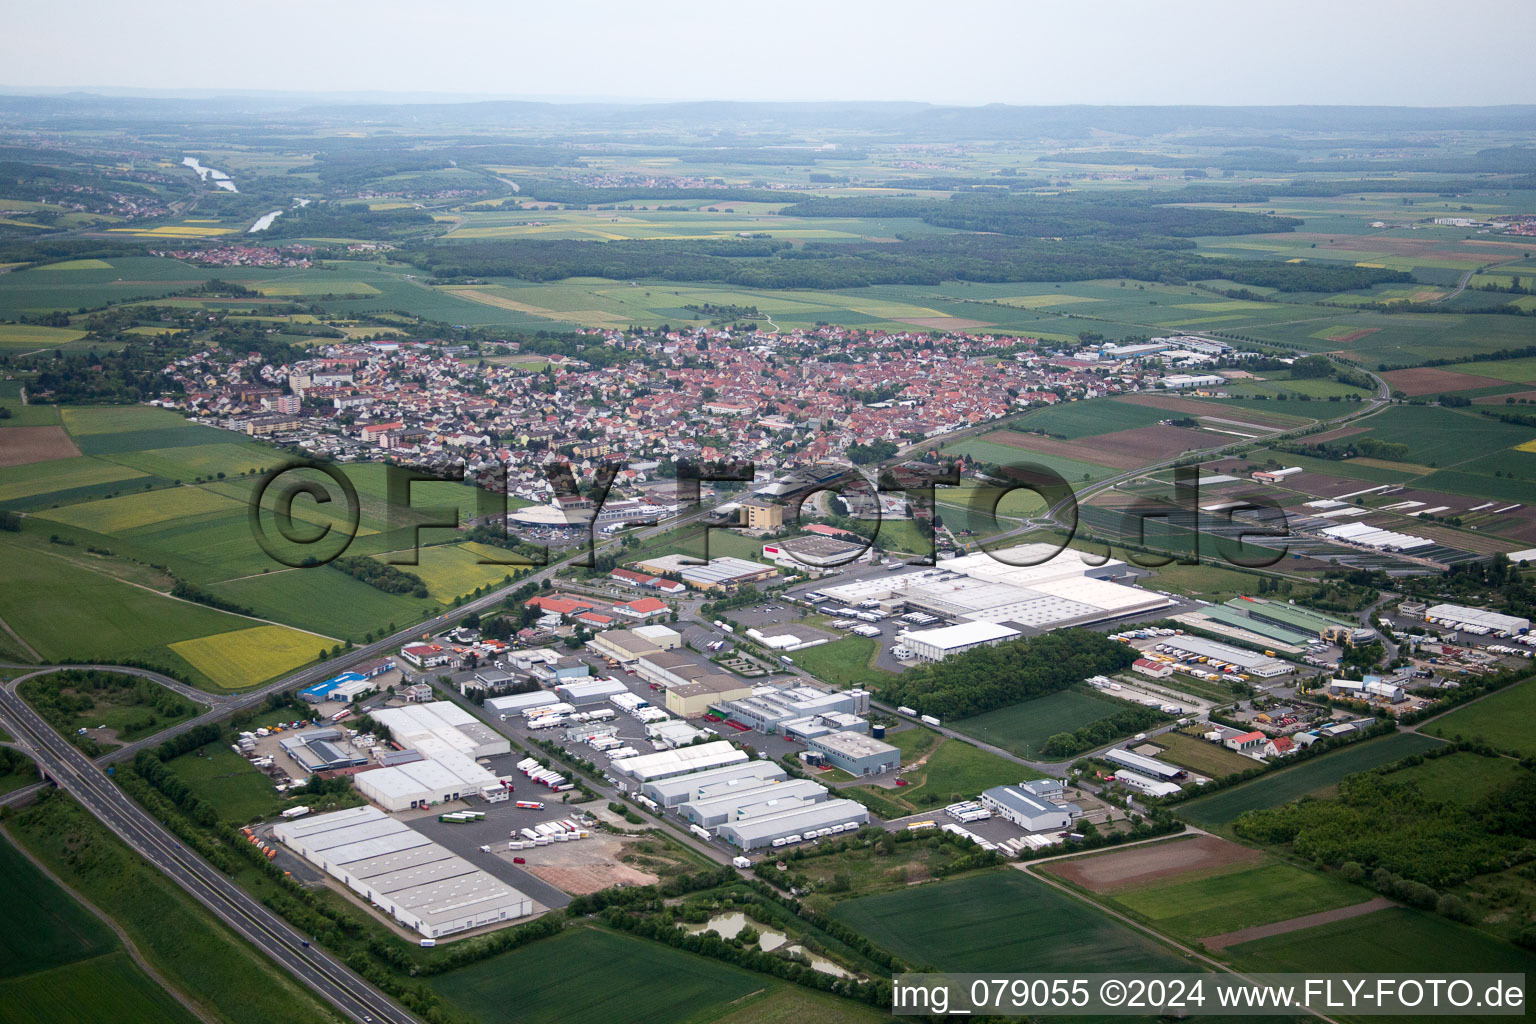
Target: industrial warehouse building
<point x="418" y="883"/>
<point x="426" y="783"/>
<point x="645" y="767"/>
<point x="441" y="725"/>
<point x="856" y="753"/>
<point x="938" y="644"/>
<point x="1027" y="810"/>
<point x="1459" y="616"/>
<point x="1123" y="758"/>
<point x="726" y="573"/>
<point x="517" y="703"/>
<point x="769" y="711"/>
<point x="694" y="698"/>
<point x="581" y="692"/>
<point x="1261" y="665"/>
<point x="346" y="687"/>
<point x="824" y="818"/>
<point x="626" y="646"/>
<point x="319" y="750"/>
<point x="816" y="551"/>
<point x="1304" y="620"/>
<point x="669" y="792"/>
<point x="727" y="803"/>
<point x="1030" y="585"/>
<point x="1142" y="784"/>
<point x="448" y="739"/>
<point x="1374" y="686"/>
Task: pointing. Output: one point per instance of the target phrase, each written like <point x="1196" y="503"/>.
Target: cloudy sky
<point x="1402" y="52"/>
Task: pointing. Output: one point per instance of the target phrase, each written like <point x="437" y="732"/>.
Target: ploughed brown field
<point x="1119" y="449"/>
<point x="21" y="445"/>
<point x="1152" y="862"/>
<point x="1429" y="380"/>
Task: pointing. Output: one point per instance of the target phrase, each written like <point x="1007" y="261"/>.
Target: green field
<point x="1024" y="728"/>
<point x="123" y="498"/>
<point x="1463" y="778"/>
<point x="595" y="976"/>
<point x="1073" y="420"/>
<point x="1201" y="755"/>
<point x="845" y="662"/>
<point x="990" y="452"/>
<point x="60" y="963"/>
<point x="957" y="767"/>
<point x="182" y="941"/>
<point x="239" y="791"/>
<point x="1196" y="908"/>
<point x="1446" y="437"/>
<point x="60" y="475"/>
<point x="1213" y="583"/>
<point x="111" y="987"/>
<point x="44" y="927"/>
<point x="1500" y="719"/>
<point x="1282" y="786"/>
<point x="67" y="612"/>
<point x="1410" y="940"/>
<point x="791" y="1004"/>
<point x="17" y="338"/>
<point x="1000" y="921"/>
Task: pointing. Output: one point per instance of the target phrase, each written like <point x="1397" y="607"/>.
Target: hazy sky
<point x="1400" y="52"/>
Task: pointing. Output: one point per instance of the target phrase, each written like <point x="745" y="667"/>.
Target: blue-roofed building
<point x="320" y="692"/>
<point x="343" y="687"/>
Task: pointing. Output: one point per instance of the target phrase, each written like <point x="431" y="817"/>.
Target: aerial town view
<point x="518" y="516"/>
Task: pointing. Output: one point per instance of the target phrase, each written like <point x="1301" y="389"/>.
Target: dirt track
<point x="1296" y="924"/>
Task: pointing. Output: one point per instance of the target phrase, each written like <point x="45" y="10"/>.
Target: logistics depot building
<point x="754" y="804"/>
<point x="420" y="884"/>
<point x="1026" y="586"/>
<point x="445" y="740"/>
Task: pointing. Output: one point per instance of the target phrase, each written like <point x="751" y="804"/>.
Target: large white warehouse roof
<point x="418" y="883"/>
<point x="1456" y="613"/>
<point x="682" y="759"/>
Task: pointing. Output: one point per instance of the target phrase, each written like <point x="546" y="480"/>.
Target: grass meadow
<point x="1193" y="908"/>
<point x="997" y="922"/>
<point x="1500" y="719"/>
<point x="1024" y="728"/>
<point x="595" y="976"/>
<point x="1410" y="940"/>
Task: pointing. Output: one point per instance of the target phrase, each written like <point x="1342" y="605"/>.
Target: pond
<point x="728" y="926"/>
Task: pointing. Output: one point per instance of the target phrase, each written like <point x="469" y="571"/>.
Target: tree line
<point x="986" y="678"/>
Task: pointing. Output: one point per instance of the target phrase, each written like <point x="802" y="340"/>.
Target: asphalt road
<point x="86" y="782"/>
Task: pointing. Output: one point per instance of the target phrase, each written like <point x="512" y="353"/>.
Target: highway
<point x="77" y="775"/>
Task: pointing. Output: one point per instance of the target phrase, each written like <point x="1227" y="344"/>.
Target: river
<point x="266" y="219"/>
<point x="219" y="178"/>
